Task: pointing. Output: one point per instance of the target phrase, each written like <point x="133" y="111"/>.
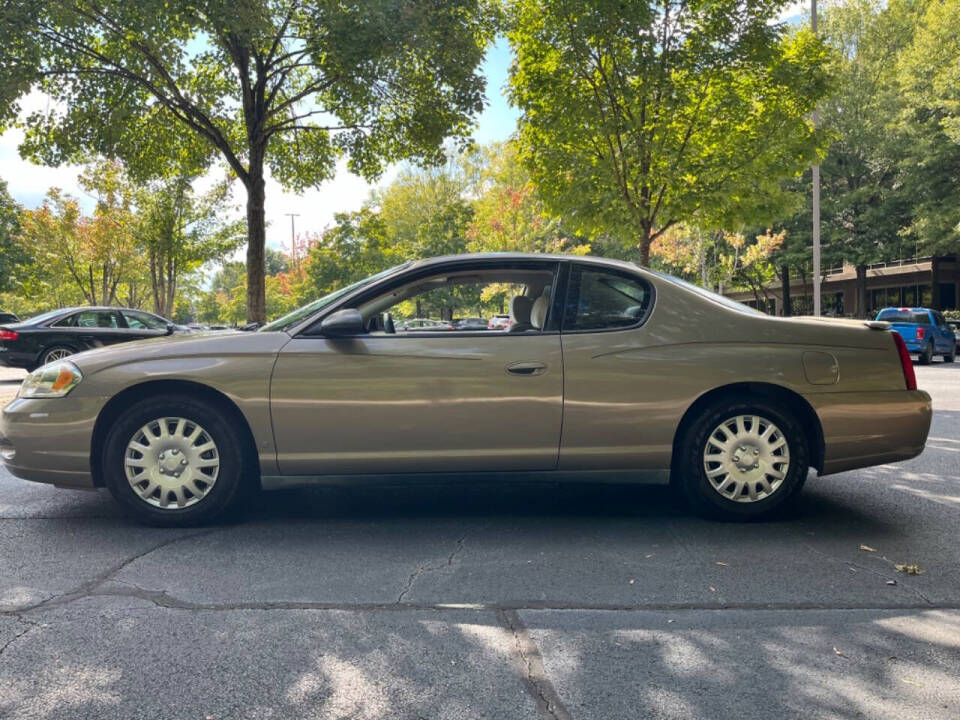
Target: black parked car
<point x="6" y="317"/>
<point x="59" y="333"/>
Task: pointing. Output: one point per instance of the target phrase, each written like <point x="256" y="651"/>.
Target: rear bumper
<point x="9" y="358"/>
<point x="861" y="429"/>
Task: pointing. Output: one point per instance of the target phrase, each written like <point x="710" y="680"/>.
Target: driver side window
<point x="495" y="301"/>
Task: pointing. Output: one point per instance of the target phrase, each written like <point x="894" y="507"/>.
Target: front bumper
<point x="861" y="429"/>
<point x="48" y="440"/>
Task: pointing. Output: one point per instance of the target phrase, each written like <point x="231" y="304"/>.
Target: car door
<point x="419" y="401"/>
<point x="92" y="328"/>
<point x="944" y="335"/>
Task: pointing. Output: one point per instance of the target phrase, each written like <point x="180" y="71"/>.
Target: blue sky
<point x="499" y="119"/>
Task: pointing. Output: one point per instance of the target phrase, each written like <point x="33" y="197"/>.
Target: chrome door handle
<point x="527" y="368"/>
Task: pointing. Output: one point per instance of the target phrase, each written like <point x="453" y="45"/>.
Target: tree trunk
<point x="644" y="245"/>
<point x="256" y="243"/>
<point x="862" y="290"/>
<point x="785" y="287"/>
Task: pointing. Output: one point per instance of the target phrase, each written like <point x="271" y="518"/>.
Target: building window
<point x="901" y="296"/>
<point x="948" y="296"/>
<point x="767" y="305"/>
<point x="830" y="304"/>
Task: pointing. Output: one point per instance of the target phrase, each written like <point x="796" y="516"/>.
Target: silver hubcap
<point x="58" y="354"/>
<point x="171" y="463"/>
<point x="746" y="458"/>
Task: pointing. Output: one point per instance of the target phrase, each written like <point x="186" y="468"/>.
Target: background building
<point x="932" y="282"/>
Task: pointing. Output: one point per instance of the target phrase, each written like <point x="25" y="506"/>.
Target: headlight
<point x="51" y="381"/>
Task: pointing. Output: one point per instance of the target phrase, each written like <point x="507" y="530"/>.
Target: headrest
<point x="520" y="307"/>
<point x="538" y="313"/>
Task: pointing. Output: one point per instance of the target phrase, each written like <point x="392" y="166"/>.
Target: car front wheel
<point x="173" y="461"/>
<point x="742" y="461"/>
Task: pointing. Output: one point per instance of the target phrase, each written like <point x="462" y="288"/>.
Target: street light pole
<point x="293" y="237"/>
<point x="815" y="171"/>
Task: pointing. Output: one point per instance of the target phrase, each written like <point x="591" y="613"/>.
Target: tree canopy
<point x="289" y="85"/>
<point x="10" y="251"/>
<point x="636" y="116"/>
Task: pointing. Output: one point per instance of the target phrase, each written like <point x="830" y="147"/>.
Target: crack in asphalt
<point x="87" y="588"/>
<point x="163" y="600"/>
<point x="865" y="568"/>
<point x="415" y="575"/>
<point x="31" y="625"/>
<point x="533" y="672"/>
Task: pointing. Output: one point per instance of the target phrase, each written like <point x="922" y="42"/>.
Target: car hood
<point x="216" y="344"/>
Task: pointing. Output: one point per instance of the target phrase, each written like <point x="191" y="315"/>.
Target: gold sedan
<point x="604" y="370"/>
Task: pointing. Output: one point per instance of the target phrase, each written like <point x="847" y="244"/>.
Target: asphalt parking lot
<point x="500" y="601"/>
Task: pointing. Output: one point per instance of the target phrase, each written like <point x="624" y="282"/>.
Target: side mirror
<point x="171" y="328"/>
<point x="342" y="323"/>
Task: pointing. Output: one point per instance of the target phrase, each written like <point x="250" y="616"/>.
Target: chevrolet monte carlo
<point x="606" y="370"/>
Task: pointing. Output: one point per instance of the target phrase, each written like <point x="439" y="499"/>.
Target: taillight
<point x="8" y="334"/>
<point x="920" y="333"/>
<point x="906" y="363"/>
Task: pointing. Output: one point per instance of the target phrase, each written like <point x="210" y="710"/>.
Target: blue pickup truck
<point x="924" y="331"/>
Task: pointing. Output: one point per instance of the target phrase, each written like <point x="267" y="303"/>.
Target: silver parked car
<point x="606" y="368"/>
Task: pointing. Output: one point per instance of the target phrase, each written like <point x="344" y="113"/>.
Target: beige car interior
<point x="528" y="306"/>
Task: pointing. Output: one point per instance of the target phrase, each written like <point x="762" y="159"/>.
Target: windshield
<point x="301" y="313"/>
<point x="904" y="316"/>
<point x="712" y="296"/>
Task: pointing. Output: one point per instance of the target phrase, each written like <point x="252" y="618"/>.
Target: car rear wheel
<point x="951" y="356"/>
<point x="742" y="461"/>
<point x="57" y="352"/>
<point x="173" y="461"/>
<point x="927" y="355"/>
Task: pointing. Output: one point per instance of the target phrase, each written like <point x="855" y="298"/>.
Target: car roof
<point x="501" y="256"/>
<point x="911" y="309"/>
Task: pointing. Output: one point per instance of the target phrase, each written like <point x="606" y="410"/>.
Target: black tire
<point x="690" y="475"/>
<point x="225" y="492"/>
<point x="927" y="355"/>
<point x="951" y="356"/>
<point x="45" y="356"/>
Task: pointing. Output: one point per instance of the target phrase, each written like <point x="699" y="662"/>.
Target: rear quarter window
<point x="602" y="299"/>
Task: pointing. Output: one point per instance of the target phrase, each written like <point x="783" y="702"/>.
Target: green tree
<point x="289" y="85"/>
<point x="508" y="213"/>
<point x="929" y="126"/>
<point x="636" y="116"/>
<point x="12" y="254"/>
<point x="96" y="253"/>
<point x="353" y="248"/>
<point x="424" y="212"/>
<point x="179" y="232"/>
<point x="864" y="206"/>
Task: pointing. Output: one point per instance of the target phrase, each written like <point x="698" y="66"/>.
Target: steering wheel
<point x="388" y="324"/>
